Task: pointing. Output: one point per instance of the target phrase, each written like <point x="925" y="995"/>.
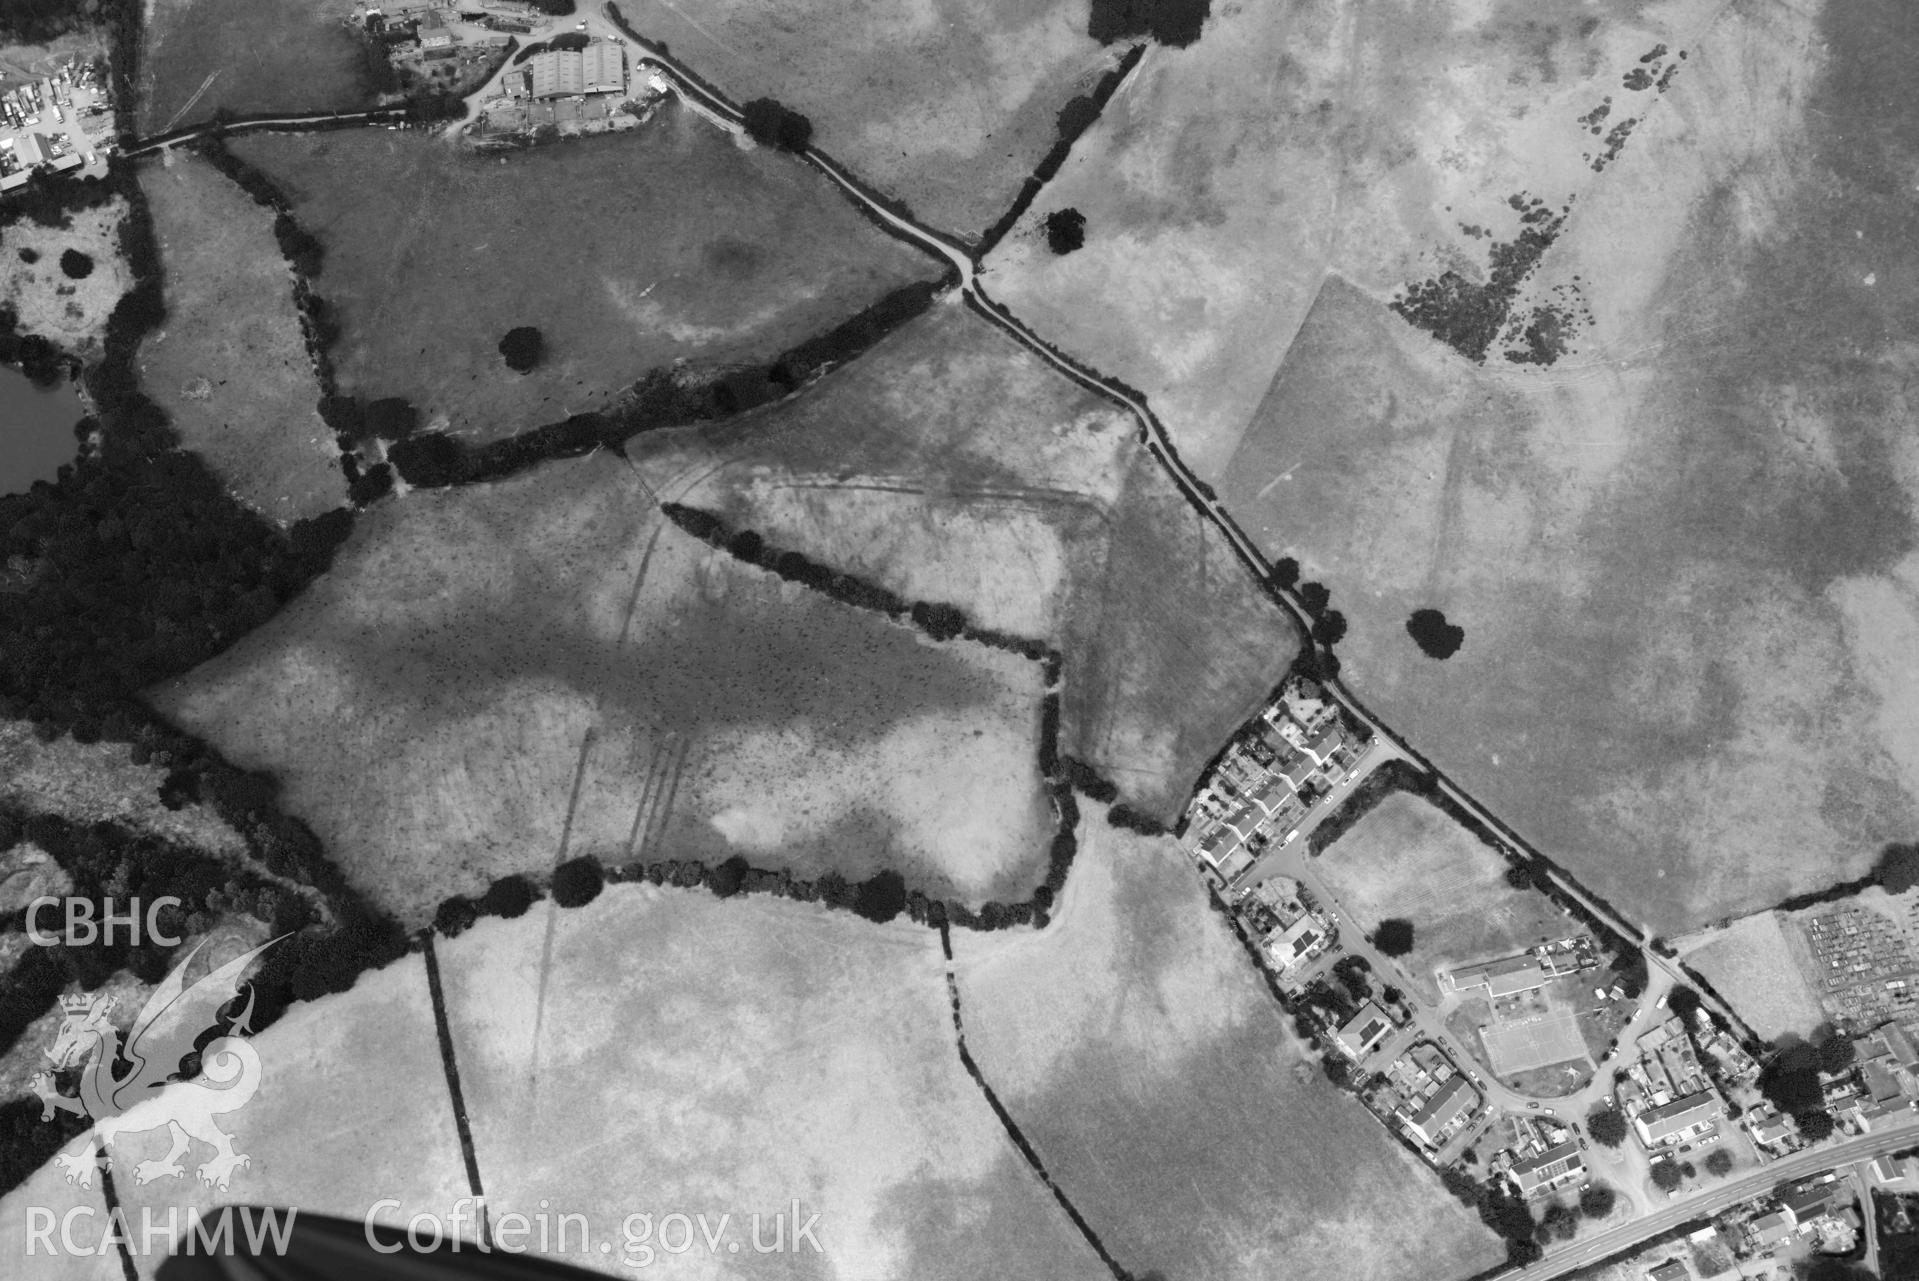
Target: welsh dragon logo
<point x="145" y="1097"/>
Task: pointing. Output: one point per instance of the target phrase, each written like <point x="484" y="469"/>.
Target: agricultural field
<point x="1684" y="560"/>
<point x="348" y="1083"/>
<point x="628" y="252"/>
<point x="1297" y="139"/>
<point x="96" y="782"/>
<point x="49" y="1187"/>
<point x="1408" y="859"/>
<point x="249" y="57"/>
<point x="947" y="105"/>
<point x="491" y="678"/>
<point x="70" y="312"/>
<point x="1756" y="968"/>
<point x="230" y="363"/>
<point x="1136" y="1046"/>
<point x="812" y="1058"/>
<point x="950" y="464"/>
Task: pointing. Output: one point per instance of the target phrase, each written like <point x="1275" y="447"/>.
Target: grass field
<point x="949" y="464"/>
<point x="431" y="702"/>
<point x="70" y="313"/>
<point x="1751" y="963"/>
<point x="1135" y="1045"/>
<point x="947" y="104"/>
<point x="321" y="1134"/>
<point x="1408" y="859"/>
<point x="1298" y="138"/>
<point x="230" y="364"/>
<point x="1684" y="560"/>
<point x="249" y="57"/>
<point x="627" y="252"/>
<point x="812" y="1057"/>
<point x="95" y="782"/>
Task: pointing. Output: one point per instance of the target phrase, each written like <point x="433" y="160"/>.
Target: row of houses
<point x="1817" y="1204"/>
<point x="1269" y="779"/>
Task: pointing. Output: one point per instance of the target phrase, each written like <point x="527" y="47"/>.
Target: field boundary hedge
<point x="661" y="399"/>
<point x="1076" y="118"/>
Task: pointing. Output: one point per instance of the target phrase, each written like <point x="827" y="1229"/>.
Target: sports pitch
<point x="1535" y="1043"/>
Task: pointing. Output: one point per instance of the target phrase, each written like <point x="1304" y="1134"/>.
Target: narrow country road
<point x="1902" y="1133"/>
<point x="1154" y="436"/>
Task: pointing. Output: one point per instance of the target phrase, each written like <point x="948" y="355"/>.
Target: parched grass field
<point x="352" y="1108"/>
<point x="1407" y="859"/>
<point x="747" y="1054"/>
<point x="250" y="57"/>
<point x="626" y="251"/>
<point x="96" y="782"/>
<point x="1138" y="1050"/>
<point x="72" y="314"/>
<point x="1684" y="559"/>
<point x="950" y="464"/>
<point x="1758" y="969"/>
<point x="947" y="104"/>
<point x="476" y="658"/>
<point x="230" y="363"/>
<point x="1298" y="138"/>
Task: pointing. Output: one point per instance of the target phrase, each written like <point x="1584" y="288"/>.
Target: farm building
<point x="1770" y="1230"/>
<point x="1670" y="1270"/>
<point x="566" y="73"/>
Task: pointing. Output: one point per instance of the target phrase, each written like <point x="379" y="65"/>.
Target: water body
<point x="36" y="429"/>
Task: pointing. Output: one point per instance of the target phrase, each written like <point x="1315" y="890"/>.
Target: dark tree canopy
<point x="1435" y="637"/>
<point x="1285" y="573"/>
<point x="391" y="418"/>
<point x="729" y="877"/>
<point x="771" y="124"/>
<point x="1607" y="1126"/>
<point x="1836" y="1053"/>
<point x="1065" y="230"/>
<point x="1791" y="1080"/>
<point x="1898" y="868"/>
<point x="882" y="896"/>
<point x="1330" y="628"/>
<point x="1719" y="1163"/>
<point x="76" y="265"/>
<point x="509" y="896"/>
<point x="1596" y="1201"/>
<point x="1315" y="597"/>
<point x="1394" y="937"/>
<point x="578" y="881"/>
<point x="1665" y="1175"/>
<point x="1683" y="1001"/>
<point x="1814" y="1124"/>
<point x="522" y="348"/>
<point x="1176" y="23"/>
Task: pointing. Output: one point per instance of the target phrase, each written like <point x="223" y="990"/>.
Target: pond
<point x="36" y="429"/>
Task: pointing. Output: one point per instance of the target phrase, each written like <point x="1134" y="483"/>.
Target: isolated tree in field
<point x="1665" y="1175"/>
<point x="1898" y="869"/>
<point x="76" y="265"/>
<point x="1065" y="230"/>
<point x="1596" y="1201"/>
<point x="1607" y="1125"/>
<point x="1719" y="1163"/>
<point x="1435" y="637"/>
<point x="522" y="348"/>
<point x="772" y="124"/>
<point x="578" y="881"/>
<point x="1394" y="937"/>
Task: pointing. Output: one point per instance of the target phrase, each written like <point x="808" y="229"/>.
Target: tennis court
<point x="1537" y="1042"/>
